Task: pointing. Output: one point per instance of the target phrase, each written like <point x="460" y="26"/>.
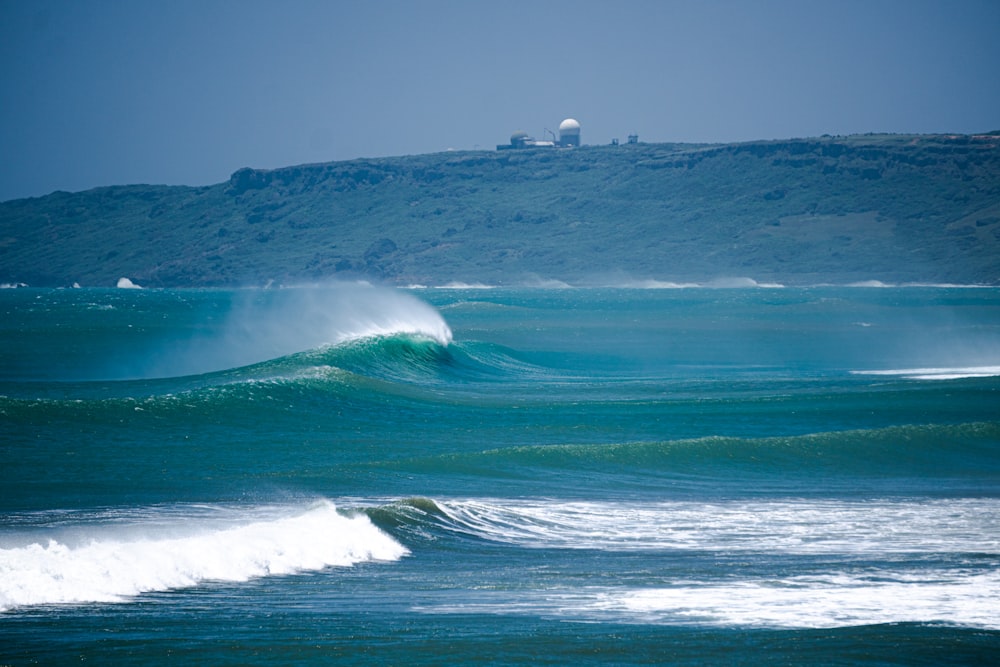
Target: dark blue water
<point x="359" y="475"/>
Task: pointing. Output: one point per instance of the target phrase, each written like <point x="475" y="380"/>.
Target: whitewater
<point x="729" y="473"/>
<point x="116" y="557"/>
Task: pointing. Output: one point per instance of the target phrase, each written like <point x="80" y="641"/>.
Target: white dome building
<point x="569" y="132"/>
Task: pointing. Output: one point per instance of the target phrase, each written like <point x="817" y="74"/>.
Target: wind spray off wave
<point x="268" y="324"/>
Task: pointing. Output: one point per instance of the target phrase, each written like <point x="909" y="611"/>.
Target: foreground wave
<point x="794" y="526"/>
<point x="113" y="556"/>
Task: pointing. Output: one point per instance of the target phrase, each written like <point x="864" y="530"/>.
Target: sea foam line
<point x="788" y="526"/>
<point x="818" y="601"/>
<point x="831" y="600"/>
<point x="114" y="562"/>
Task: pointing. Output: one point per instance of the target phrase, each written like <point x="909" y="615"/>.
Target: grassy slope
<point x="893" y="208"/>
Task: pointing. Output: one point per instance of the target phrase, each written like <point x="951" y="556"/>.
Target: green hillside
<point x="893" y="208"/>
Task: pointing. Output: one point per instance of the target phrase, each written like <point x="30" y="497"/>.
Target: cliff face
<point x="891" y="208"/>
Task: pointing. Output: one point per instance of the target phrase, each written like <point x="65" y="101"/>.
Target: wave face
<point x="644" y="475"/>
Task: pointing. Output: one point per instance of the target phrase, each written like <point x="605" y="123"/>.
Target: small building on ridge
<point x="569" y="135"/>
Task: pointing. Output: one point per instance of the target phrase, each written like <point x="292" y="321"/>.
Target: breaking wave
<point x="793" y="526"/>
<point x="114" y="556"/>
<point x="265" y="325"/>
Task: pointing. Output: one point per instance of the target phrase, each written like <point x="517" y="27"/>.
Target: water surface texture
<point x="359" y="475"/>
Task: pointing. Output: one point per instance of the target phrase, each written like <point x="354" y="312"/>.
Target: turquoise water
<point x="360" y="475"/>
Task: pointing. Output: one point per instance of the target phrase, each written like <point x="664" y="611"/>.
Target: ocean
<point x="354" y="474"/>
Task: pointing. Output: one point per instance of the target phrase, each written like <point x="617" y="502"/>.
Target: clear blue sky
<point x="102" y="92"/>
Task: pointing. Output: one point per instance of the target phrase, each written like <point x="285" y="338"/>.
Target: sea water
<point x="352" y="474"/>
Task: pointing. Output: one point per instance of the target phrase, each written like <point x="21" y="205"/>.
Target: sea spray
<point x="267" y="324"/>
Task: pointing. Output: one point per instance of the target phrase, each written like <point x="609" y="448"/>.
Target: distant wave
<point x="939" y="373"/>
<point x="741" y="282"/>
<point x="880" y="284"/>
<point x="654" y="284"/>
<point x="545" y="283"/>
<point x="125" y="283"/>
<point x="460" y="285"/>
<point x="869" y="283"/>
<point x="626" y="283"/>
<point x="116" y="556"/>
<point x="662" y="284"/>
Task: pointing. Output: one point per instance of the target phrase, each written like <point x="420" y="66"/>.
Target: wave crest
<point x="266" y="325"/>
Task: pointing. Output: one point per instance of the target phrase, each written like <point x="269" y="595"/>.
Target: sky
<point x="185" y="92"/>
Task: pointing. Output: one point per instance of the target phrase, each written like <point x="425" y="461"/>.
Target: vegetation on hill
<point x="895" y="208"/>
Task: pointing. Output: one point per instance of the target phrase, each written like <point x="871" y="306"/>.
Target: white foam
<point x="821" y="601"/>
<point x="112" y="561"/>
<point x="788" y="526"/>
<point x="839" y="599"/>
<point x="717" y="283"/>
<point x="125" y="283"/>
<point x="847" y="530"/>
<point x="940" y="373"/>
<point x="870" y="283"/>
<point x="654" y="284"/>
<point x="735" y="283"/>
<point x="461" y="285"/>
